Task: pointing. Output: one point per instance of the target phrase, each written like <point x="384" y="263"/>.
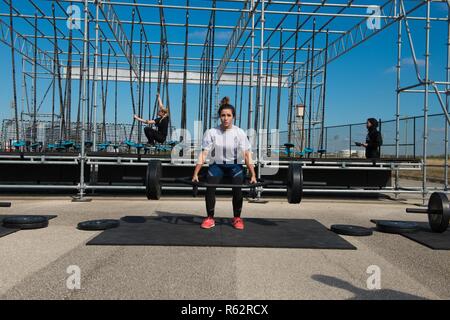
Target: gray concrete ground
<point x="34" y="263"/>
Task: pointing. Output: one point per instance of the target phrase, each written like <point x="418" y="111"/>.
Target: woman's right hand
<point x="195" y="178"/>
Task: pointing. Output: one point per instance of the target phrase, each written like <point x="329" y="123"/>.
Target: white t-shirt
<point x="226" y="146"/>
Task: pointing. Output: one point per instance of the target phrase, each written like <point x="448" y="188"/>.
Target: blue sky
<point x="361" y="84"/>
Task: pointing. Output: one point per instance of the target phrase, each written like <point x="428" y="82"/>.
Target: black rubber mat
<point x="432" y="240"/>
<point x="6" y="231"/>
<point x="176" y="230"/>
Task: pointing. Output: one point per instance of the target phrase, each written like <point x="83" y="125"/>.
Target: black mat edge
<point x="7" y="231"/>
<point x="409" y="235"/>
<point x="351" y="246"/>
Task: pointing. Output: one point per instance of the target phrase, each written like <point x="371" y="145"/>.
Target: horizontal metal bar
<point x="362" y="191"/>
<point x="344" y="161"/>
<point x="37" y="162"/>
<point x="239" y="10"/>
<point x="189" y="189"/>
<point x="349" y="168"/>
<point x="421" y="91"/>
<point x="45" y="187"/>
<point x="38" y="158"/>
<point x="411" y="86"/>
<point x="158" y="25"/>
<point x="416" y="210"/>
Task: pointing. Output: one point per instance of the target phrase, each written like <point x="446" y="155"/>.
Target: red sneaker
<point x="238" y="223"/>
<point x="208" y="223"/>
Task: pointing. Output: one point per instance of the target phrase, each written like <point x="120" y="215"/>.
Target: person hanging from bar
<point x="228" y="147"/>
<point x="161" y="122"/>
<point x="374" y="140"/>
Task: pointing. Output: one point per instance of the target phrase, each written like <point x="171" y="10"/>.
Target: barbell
<point x="294" y="182"/>
<point x="196" y="185"/>
<point x="438" y="212"/>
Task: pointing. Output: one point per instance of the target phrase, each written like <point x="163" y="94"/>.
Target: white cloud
<point x="219" y="35"/>
<point x="405" y="63"/>
<point x="223" y="35"/>
<point x="200" y="35"/>
<point x="410" y="62"/>
<point x="438" y="130"/>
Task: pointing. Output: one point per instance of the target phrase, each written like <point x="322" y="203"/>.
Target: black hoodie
<point x="374" y="141"/>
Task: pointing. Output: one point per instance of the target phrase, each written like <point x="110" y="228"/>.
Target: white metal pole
<point x="261" y="92"/>
<point x="84" y="100"/>
<point x="426" y="98"/>
<point x="397" y="114"/>
<point x="447" y="102"/>
<point x="94" y="78"/>
<point x="252" y="61"/>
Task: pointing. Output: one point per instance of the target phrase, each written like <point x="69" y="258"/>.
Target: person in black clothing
<point x="162" y="124"/>
<point x="374" y="140"/>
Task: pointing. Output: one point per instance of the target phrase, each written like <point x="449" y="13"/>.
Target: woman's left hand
<point x="253" y="180"/>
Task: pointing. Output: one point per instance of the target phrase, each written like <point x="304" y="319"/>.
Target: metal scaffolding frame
<point x="239" y="57"/>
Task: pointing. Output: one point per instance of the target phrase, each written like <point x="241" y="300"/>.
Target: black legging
<point x="210" y="197"/>
<point x="154" y="135"/>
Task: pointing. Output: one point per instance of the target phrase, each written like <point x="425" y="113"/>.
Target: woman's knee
<point x="160" y="138"/>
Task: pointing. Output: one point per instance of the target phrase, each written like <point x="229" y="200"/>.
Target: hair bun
<point x="225" y="101"/>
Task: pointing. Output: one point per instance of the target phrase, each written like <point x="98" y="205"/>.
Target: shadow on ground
<point x="362" y="294"/>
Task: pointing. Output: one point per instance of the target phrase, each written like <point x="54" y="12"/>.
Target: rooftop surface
<point x="34" y="263"/>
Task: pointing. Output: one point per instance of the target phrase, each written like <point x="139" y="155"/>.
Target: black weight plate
<point x="349" y="230"/>
<point x="397" y="226"/>
<point x="294" y="183"/>
<point x="152" y="181"/>
<point x="252" y="193"/>
<point x="26" y="226"/>
<point x="103" y="224"/>
<point x="438" y="203"/>
<point x="25" y="222"/>
<point x="5" y="204"/>
<point x="26" y="219"/>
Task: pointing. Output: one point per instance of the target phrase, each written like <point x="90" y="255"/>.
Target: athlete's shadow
<point x="362" y="294"/>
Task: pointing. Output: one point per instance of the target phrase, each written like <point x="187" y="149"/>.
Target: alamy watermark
<point x="73" y="281"/>
<point x="374" y="21"/>
<point x="74" y="17"/>
<point x="374" y="280"/>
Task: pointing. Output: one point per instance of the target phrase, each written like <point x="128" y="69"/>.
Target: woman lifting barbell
<point x="227" y="146"/>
